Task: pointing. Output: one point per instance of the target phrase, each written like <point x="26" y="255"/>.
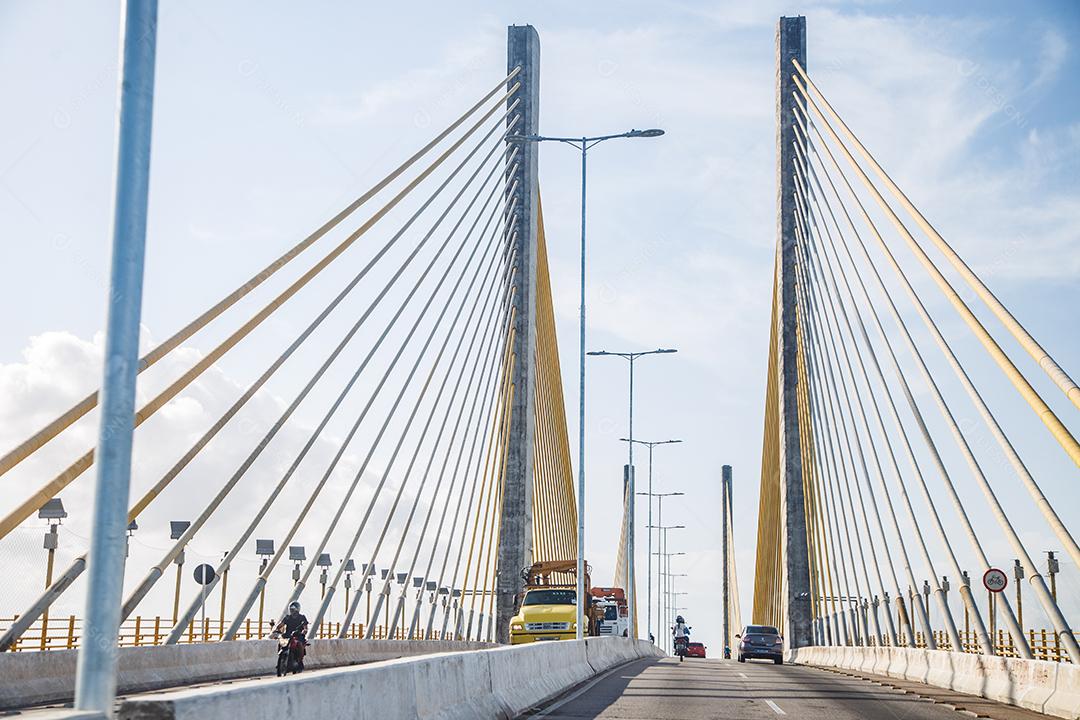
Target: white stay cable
<point x="950" y="624"/>
<point x="1041" y="356"/>
<point x="1036" y="580"/>
<point x="487" y="359"/>
<point x="965" y="590"/>
<point x="269" y="568"/>
<point x="811" y="331"/>
<point x="1059" y="431"/>
<point x="382" y="431"/>
<point x="831" y="335"/>
<point x="482" y="327"/>
<point x="480" y="440"/>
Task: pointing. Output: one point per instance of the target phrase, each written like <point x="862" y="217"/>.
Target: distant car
<point x="695" y="650"/>
<point x="762" y="642"/>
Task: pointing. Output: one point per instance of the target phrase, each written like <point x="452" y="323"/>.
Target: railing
<point x="1045" y="644"/>
<point x="65" y="633"/>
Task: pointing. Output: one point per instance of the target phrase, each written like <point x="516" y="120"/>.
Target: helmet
<point x="294" y="606"/>
<point x="679" y="619"/>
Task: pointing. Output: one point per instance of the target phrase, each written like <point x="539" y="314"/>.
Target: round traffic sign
<point x="204" y="574"/>
<point x="995" y="580"/>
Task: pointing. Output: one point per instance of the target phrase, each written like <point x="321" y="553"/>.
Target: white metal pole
<point x="631" y="611"/>
<point x="648" y="586"/>
<point x="95" y="680"/>
<point x="659" y="571"/>
<point x="581" y="589"/>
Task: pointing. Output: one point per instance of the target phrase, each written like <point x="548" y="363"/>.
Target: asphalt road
<point x="727" y="690"/>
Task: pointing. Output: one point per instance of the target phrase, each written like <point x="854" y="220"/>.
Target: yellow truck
<point x="548" y="609"/>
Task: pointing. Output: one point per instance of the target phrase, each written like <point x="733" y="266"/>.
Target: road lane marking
<point x="743" y="676"/>
<point x="775" y="708"/>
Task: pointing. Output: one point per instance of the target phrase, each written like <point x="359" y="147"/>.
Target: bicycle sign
<point x="995" y="580"/>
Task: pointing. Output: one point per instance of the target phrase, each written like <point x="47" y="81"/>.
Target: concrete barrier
<point x="36" y="678"/>
<point x="499" y="682"/>
<point x="602" y="654"/>
<point x="1047" y="687"/>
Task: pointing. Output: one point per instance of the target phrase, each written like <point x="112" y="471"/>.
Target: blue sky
<point x="268" y="119"/>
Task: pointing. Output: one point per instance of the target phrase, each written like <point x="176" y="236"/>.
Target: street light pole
<point x="675" y="608"/>
<point x="584" y="144"/>
<point x="629" y="571"/>
<point x="95" y="674"/>
<point x="671" y="595"/>
<point x="648" y="591"/>
<point x="663" y="579"/>
<point x="659" y="568"/>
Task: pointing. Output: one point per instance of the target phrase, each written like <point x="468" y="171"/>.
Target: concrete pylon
<point x="515" y="524"/>
<point x="725" y="525"/>
<point x="790" y="44"/>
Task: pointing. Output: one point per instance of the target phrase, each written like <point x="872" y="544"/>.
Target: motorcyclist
<point x="681" y="629"/>
<point x="681" y="633"/>
<point x="293" y="623"/>
<point x="292" y="626"/>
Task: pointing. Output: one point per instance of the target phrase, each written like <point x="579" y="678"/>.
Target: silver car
<point x="761" y="641"/>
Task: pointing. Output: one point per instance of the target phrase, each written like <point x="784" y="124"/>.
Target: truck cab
<point x="611" y="611"/>
<point x="547" y="613"/>
<point x="613" y="623"/>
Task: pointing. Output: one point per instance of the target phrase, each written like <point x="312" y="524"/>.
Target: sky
<point x="269" y="118"/>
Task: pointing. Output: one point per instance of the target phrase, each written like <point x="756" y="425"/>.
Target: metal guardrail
<point x="1045" y="644"/>
<point x="66" y="633"/>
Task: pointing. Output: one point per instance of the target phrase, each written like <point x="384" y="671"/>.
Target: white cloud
<point x="59" y="368"/>
<point x="1053" y="52"/>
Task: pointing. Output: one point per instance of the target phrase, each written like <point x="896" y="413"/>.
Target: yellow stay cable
<point x="69" y="474"/>
<point x="500" y="475"/>
<point x="1040" y="355"/>
<point x="1030" y="395"/>
<point x="54" y="428"/>
<point x="764" y="577"/>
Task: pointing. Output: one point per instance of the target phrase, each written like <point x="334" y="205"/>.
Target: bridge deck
<point x="699" y="689"/>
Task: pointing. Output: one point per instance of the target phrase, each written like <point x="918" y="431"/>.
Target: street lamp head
<point x="651" y="132"/>
<point x="666" y="350"/>
<point x="52" y="510"/>
<point x="598" y="352"/>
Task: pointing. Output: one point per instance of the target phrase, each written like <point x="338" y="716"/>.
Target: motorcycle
<point x="291" y="650"/>
<point x="682" y="644"/>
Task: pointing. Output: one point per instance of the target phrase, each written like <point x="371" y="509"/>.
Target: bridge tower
<point x="790" y="44"/>
<point x="515" y="525"/>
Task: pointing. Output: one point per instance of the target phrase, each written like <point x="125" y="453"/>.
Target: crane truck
<point x="548" y="605"/>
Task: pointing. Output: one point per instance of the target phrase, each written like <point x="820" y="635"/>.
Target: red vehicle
<point x="695" y="650"/>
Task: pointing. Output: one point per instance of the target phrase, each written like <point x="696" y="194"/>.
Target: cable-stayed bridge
<point x="438" y="465"/>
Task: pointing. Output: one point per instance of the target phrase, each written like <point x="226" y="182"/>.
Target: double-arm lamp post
<point x="662" y="545"/>
<point x="670" y="598"/>
<point x="648" y="591"/>
<point x="663" y="571"/>
<point x="583" y="144"/>
<point x="629" y="552"/>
